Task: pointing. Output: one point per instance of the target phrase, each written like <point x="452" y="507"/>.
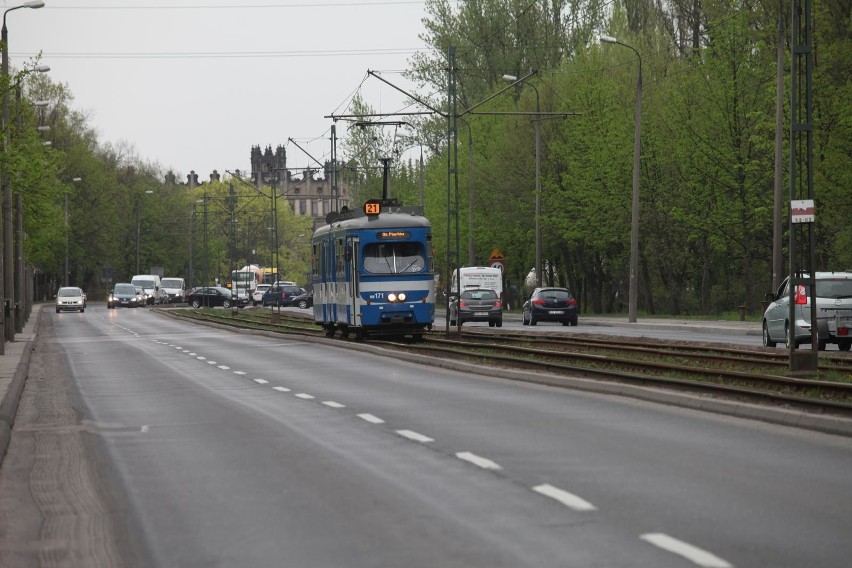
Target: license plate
<point x="556" y="312"/>
<point x="480" y="313"/>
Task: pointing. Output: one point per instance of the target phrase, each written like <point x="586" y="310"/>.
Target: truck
<point x="244" y="281"/>
<point x="472" y="277"/>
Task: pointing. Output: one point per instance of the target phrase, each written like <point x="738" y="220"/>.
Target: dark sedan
<point x="304" y="300"/>
<point x="126" y="295"/>
<point x="281" y="295"/>
<point x="209" y="296"/>
<point x="550" y="304"/>
<point x="477" y="305"/>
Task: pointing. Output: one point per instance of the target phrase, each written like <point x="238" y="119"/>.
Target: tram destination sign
<point x="384" y="235"/>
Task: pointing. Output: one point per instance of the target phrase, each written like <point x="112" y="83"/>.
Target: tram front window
<point x="393" y="258"/>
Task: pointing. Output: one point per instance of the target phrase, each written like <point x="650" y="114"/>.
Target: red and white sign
<point x="802" y="211"/>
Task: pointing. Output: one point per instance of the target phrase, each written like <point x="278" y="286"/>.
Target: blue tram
<point x="372" y="272"/>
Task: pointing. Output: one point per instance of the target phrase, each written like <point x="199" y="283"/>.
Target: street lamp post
<point x="634" y="208"/>
<point x="65" y="279"/>
<point x="537" y="123"/>
<point x="8" y="227"/>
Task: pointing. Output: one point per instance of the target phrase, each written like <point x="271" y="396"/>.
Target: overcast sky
<point x="194" y="84"/>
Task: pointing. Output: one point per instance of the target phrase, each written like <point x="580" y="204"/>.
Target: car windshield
<point x="479" y="295"/>
<point x="393" y="258"/>
<point x="834" y="288"/>
<point x="555" y="294"/>
<point x="70" y="292"/>
<point x="144" y="283"/>
<point x="170" y="283"/>
<point x="125" y="289"/>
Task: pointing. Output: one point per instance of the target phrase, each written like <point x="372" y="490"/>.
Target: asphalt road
<point x="146" y="441"/>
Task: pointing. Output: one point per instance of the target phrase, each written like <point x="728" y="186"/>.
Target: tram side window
<point x="393" y="258"/>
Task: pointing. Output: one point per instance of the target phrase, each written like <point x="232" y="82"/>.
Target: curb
<point x="22" y="350"/>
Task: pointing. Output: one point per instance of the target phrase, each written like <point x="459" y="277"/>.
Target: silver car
<point x="834" y="310"/>
<point x="70" y="299"/>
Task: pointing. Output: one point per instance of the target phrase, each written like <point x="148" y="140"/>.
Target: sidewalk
<point x="14" y="366"/>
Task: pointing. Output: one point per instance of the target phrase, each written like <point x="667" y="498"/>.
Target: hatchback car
<point x="126" y="296"/>
<point x="70" y="299"/>
<point x="304" y="300"/>
<point x="478" y="304"/>
<point x="834" y="306"/>
<point x="209" y="296"/>
<point x="281" y="295"/>
<point x="550" y="304"/>
<point x="257" y="293"/>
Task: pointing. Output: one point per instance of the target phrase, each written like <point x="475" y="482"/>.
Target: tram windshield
<point x="394" y="258"/>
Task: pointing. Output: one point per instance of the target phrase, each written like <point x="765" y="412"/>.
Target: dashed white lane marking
<point x="333" y="404"/>
<point x="692" y="553"/>
<point x="224" y="367"/>
<point x="484" y="463"/>
<point x="371" y="419"/>
<point x="239" y="372"/>
<point x="145" y="428"/>
<point x="305" y="396"/>
<point x="201" y="357"/>
<point x="281" y="389"/>
<point x="415" y="436"/>
<point x="209" y="362"/>
<point x="564" y="497"/>
<point x="193" y="354"/>
<point x="261" y="381"/>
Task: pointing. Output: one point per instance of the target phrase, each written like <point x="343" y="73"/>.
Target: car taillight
<point x="462" y="304"/>
<point x="538" y="302"/>
<point x="498" y="304"/>
<point x="572" y="302"/>
<point x="801" y="296"/>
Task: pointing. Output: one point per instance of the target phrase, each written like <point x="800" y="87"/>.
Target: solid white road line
<point x="692" y="553"/>
<point x="371" y="419"/>
<point x="484" y="463"/>
<point x="564" y="497"/>
<point x="333" y="404"/>
<point x="414" y="436"/>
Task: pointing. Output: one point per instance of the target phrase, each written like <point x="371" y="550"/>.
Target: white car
<point x="834" y="310"/>
<point x="257" y="294"/>
<point x="70" y="299"/>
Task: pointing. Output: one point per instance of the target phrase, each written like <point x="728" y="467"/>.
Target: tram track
<point x="745" y="375"/>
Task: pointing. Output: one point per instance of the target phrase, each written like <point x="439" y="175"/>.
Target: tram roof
<point x="385" y="220"/>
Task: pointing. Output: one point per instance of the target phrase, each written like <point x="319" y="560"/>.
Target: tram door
<point x="353" y="309"/>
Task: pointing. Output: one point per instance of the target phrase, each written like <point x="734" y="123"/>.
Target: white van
<point x="150" y="284"/>
<point x="478" y="277"/>
<point x="175" y="289"/>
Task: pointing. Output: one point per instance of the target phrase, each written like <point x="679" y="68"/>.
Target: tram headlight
<point x="394" y="297"/>
<point x="401" y="296"/>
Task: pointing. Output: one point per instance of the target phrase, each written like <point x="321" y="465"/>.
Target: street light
<point x="8" y="230"/>
<point x="75" y="180"/>
<point x="634" y="209"/>
<point x="538" y="270"/>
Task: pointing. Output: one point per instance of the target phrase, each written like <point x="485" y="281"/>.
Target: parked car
<point x="257" y="294"/>
<point x="209" y="296"/>
<point x="550" y="304"/>
<point x="304" y="300"/>
<point x="70" y="299"/>
<point x="478" y="304"/>
<point x="127" y="296"/>
<point x="281" y="295"/>
<point x="833" y="303"/>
